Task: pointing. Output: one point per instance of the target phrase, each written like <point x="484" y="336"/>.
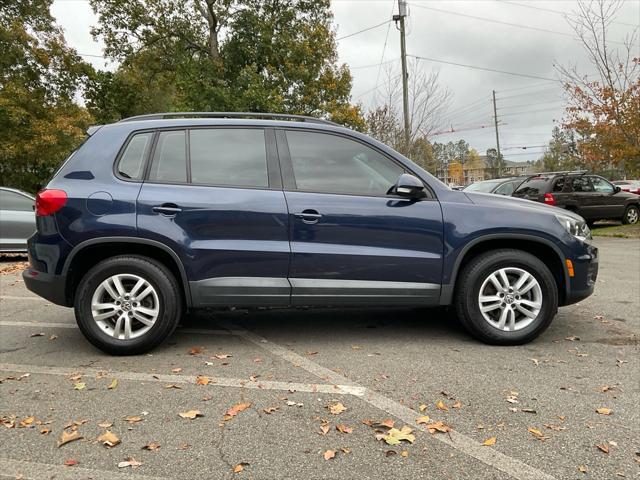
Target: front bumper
<point x="583" y="282"/>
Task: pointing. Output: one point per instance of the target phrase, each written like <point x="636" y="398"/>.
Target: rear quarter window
<point x="131" y="163"/>
<point x="534" y="186"/>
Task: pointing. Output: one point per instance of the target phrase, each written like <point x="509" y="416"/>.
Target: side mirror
<point x="408" y="186"/>
<point x="616" y="189"/>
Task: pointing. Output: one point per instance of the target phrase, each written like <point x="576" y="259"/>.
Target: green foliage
<point x="495" y="163"/>
<point x="39" y="76"/>
<point x="213" y="55"/>
<point x="562" y="152"/>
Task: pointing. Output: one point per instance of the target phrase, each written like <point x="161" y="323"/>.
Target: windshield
<point x="486" y="187"/>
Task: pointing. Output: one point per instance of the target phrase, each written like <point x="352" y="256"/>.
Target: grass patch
<point x="616" y="231"/>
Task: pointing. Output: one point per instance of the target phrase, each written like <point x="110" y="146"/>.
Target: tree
<point x="227" y="55"/>
<point x="40" y="124"/>
<point x="605" y="110"/>
<point x="562" y="152"/>
<point x="495" y="163"/>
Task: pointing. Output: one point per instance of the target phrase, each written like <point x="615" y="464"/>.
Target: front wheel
<point x="506" y="297"/>
<point x="127" y="305"/>
<point x="631" y="215"/>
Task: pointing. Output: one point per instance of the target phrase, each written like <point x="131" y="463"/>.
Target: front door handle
<point x="167" y="209"/>
<point x="308" y="216"/>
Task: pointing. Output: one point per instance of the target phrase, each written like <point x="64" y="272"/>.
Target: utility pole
<point x="402" y="13"/>
<point x="495" y="120"/>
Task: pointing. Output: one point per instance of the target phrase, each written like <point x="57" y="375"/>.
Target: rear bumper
<point x="50" y="287"/>
<point x="582" y="284"/>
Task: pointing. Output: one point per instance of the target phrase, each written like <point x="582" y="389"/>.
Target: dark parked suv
<point x="590" y="196"/>
<point x="160" y="214"/>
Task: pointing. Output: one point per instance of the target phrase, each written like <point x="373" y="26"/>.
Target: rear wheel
<point x="631" y="215"/>
<point x="506" y="297"/>
<point x="127" y="305"/>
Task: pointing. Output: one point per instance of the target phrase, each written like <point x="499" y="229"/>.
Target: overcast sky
<point x="444" y="30"/>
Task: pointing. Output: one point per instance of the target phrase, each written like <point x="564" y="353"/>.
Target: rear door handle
<point x="308" y="216"/>
<point x="167" y="209"/>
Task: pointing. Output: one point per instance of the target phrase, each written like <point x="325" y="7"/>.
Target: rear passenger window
<point x="224" y="156"/>
<point x="131" y="163"/>
<point x="170" y="158"/>
<point x="558" y="186"/>
<point x="581" y="184"/>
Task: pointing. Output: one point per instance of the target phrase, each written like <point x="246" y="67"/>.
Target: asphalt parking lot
<point x="536" y="406"/>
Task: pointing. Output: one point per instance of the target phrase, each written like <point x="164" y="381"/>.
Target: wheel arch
<point x="88" y="253"/>
<point x="540" y="247"/>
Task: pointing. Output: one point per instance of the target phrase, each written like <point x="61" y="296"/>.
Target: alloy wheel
<point x="125" y="306"/>
<point x="632" y="215"/>
<point x="510" y="299"/>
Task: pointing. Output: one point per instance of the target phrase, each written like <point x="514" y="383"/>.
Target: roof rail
<point x="560" y="172"/>
<point x="275" y="116"/>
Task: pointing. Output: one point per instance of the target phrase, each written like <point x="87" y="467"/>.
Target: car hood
<point x="519" y="204"/>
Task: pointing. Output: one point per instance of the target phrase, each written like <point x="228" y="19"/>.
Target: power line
<point x="475" y="67"/>
<point x="375" y="64"/>
<point x="528" y="111"/>
<point x="363" y="30"/>
<point x="558" y="12"/>
<point x="384" y="47"/>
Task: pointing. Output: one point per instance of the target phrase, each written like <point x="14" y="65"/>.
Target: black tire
<point x="470" y="280"/>
<point x="631" y="215"/>
<point x="158" y="276"/>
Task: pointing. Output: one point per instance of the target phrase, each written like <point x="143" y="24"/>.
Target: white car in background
<point x="17" y="220"/>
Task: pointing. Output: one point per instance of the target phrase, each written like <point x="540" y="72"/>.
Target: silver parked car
<point x="17" y="220"/>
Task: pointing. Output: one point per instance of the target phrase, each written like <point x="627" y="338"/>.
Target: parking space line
<point x="458" y="441"/>
<point x="10" y="468"/>
<point x="336" y="389"/>
<point x="22" y="297"/>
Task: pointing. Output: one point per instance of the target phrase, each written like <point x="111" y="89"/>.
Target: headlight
<point x="577" y="228"/>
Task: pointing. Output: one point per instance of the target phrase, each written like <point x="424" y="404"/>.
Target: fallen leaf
<point x="53" y="337"/>
<point x="388" y="423"/>
<point x="535" y="361"/>
<point x="556" y="428"/>
<point x="582" y="468"/>
<point x="309" y="353"/>
<point x="441" y="406"/>
<point x="257" y="360"/>
<point x="572" y="338"/>
<point x="404" y="454"/>
<point x="422" y="408"/>
<point x="528" y="410"/>
<point x="270" y="410"/>
<point x="221" y="356"/>
<point x="438" y="427"/>
<point x="79" y="385"/>
<point x="329" y="454"/>
<point x="133" y="419"/>
<point x="196" y="350"/>
<point x="152" y="446"/>
<point x="129" y="462"/>
<point x="45" y="431"/>
<point x="324" y="428"/>
<point x="235" y="410"/>
<point x="603" y="447"/>
<point x="458" y="404"/>
<point x="113" y="384"/>
<point x="105" y="424"/>
<point x="40" y="334"/>
<point x="202" y="380"/>
<point x="341" y="427"/>
<point x="70" y="462"/>
<point x="239" y="467"/>
<point x="26" y="422"/>
<point x="184" y="446"/>
<point x="395" y="436"/>
<point x="191" y="414"/>
<point x="604" y="411"/>
<point x="336" y="408"/>
<point x="173" y="385"/>
<point x="67" y="437"/>
<point x="109" y="439"/>
<point x="537" y="433"/>
<point x="424" y="419"/>
<point x="489" y="442"/>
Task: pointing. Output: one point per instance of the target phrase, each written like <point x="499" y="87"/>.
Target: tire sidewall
<point x="157" y="278"/>
<point x="549" y="298"/>
<point x="625" y="219"/>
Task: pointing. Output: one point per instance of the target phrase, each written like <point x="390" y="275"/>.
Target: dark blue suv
<point x="156" y="215"/>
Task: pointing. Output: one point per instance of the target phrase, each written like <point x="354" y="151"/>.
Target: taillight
<point x="548" y="199"/>
<point x="49" y="202"/>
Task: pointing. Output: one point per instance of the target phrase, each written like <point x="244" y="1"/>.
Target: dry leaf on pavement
<point x="235" y="410"/>
<point x="113" y="384"/>
<point x="603" y="447"/>
<point x="489" y="442"/>
<point x="336" y="408"/>
<point x="79" y="385"/>
<point x="129" y="462"/>
<point x="341" y="427"/>
<point x="329" y="454"/>
<point x="70" y="462"/>
<point x="191" y="414"/>
<point x="152" y="446"/>
<point x="133" y="419"/>
<point x="270" y="410"/>
<point x="67" y="437"/>
<point x="537" y="433"/>
<point x="604" y="411"/>
<point x="582" y="469"/>
<point x="109" y="439"/>
<point x="395" y="436"/>
<point x="423" y="419"/>
<point x="196" y="350"/>
<point x="422" y="407"/>
<point x="438" y="427"/>
<point x="202" y="380"/>
<point x="240" y="467"/>
<point x="105" y="424"/>
<point x="441" y="406"/>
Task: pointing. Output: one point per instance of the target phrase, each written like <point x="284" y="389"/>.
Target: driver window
<point x="333" y="164"/>
<point x="601" y="185"/>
